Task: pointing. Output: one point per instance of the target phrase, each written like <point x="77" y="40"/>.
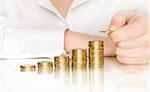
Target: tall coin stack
<point x="96" y="54"/>
<point x="79" y="58"/>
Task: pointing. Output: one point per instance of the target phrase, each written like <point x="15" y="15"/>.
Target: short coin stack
<point x="45" y="67"/>
<point x="62" y="66"/>
<point x="61" y="62"/>
<point x="96" y="54"/>
<point x="79" y="58"/>
<point x="27" y="68"/>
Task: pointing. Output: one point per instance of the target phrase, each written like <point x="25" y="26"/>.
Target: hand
<point x="129" y="30"/>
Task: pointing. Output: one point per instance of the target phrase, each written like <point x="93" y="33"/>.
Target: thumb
<point x="120" y="19"/>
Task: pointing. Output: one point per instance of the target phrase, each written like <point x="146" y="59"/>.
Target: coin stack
<point x="27" y="68"/>
<point x="45" y="67"/>
<point x="96" y="54"/>
<point x="62" y="66"/>
<point x="79" y="58"/>
<point x="61" y="62"/>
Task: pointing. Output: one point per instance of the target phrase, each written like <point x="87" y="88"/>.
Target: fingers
<point x="132" y="53"/>
<point x="136" y="51"/>
<point x="125" y="60"/>
<point x="120" y="19"/>
<point x="134" y="43"/>
<point x="127" y="25"/>
<point x="129" y="30"/>
<point x="127" y="33"/>
<point x="133" y="56"/>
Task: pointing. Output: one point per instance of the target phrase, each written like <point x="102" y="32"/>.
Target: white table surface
<point x="115" y="78"/>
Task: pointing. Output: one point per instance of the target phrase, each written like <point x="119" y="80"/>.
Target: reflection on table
<point x="113" y="77"/>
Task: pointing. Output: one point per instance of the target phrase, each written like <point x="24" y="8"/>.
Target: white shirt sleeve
<point x="21" y="39"/>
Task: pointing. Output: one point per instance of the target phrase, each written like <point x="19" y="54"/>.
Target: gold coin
<point x="96" y="53"/>
<point x="27" y="68"/>
<point x="79" y="58"/>
<point x="96" y="44"/>
<point x="79" y="66"/>
<point x="79" y="51"/>
<point x="61" y="62"/>
<point x="96" y="62"/>
<point x="100" y="65"/>
<point x="45" y="64"/>
<point x="110" y="32"/>
<point x="45" y="67"/>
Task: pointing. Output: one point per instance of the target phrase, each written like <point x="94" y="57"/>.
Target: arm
<point x="80" y="40"/>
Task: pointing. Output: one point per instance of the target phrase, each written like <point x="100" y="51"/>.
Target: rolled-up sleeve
<point x="21" y="39"/>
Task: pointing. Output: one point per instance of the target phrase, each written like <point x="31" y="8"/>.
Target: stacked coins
<point x="27" y="68"/>
<point x="61" y="62"/>
<point x="96" y="54"/>
<point x="62" y="66"/>
<point x="79" y="58"/>
<point x="45" y="67"/>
